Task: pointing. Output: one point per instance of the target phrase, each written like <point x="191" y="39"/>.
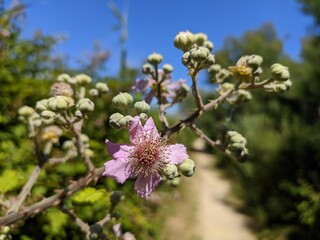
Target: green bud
<point x="175" y="182"/>
<point x="5" y="230"/>
<point x="209" y="45"/>
<point x="60" y="103"/>
<point x="102" y="87"/>
<point x="167" y="68"/>
<point x="129" y="119"/>
<point x="42" y="105"/>
<point x="117" y="121"/>
<point x="227" y="86"/>
<point x="279" y="72"/>
<point x="237" y="146"/>
<point x="213" y="69"/>
<point x="187" y="168"/>
<point x="85" y="105"/>
<point x="210" y="60"/>
<point x="154" y="58"/>
<point x="84" y="138"/>
<point x="184" y="40"/>
<point x="147" y="68"/>
<point x="170" y="171"/>
<point x="186" y="58"/>
<point x="199" y="54"/>
<point x="64" y="77"/>
<point x="142" y="106"/>
<point x="47" y="114"/>
<point x="25" y="111"/>
<point x="36" y="119"/>
<point x="122" y="100"/>
<point x="83" y="79"/>
<point x="61" y="89"/>
<point x="254" y="61"/>
<point x="143" y="117"/>
<point x="68" y="145"/>
<point x="94" y="92"/>
<point x="78" y="114"/>
<point x="89" y="153"/>
<point x="200" y="38"/>
<point x="237" y="138"/>
<point x="232" y="133"/>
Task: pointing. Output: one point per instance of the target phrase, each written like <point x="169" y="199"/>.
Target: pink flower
<point x="144" y="158"/>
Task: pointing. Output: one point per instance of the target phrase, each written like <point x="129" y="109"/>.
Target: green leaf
<point x="8" y="181"/>
<point x="88" y="196"/>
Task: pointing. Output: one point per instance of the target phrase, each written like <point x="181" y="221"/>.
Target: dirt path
<point x="202" y="213"/>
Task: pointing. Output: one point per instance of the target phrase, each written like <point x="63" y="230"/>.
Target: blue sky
<point x="153" y="25"/>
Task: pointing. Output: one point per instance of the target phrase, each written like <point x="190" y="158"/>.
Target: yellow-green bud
<point x="209" y="45"/>
<point x="36" y="119"/>
<point x="200" y="38"/>
<point x="5" y="229"/>
<point x="143" y="117"/>
<point x="84" y="138"/>
<point x="170" y="171"/>
<point x="167" y="68"/>
<point x="142" y="106"/>
<point x="254" y="61"/>
<point x="61" y="89"/>
<point x="42" y="105"/>
<point x="25" y="111"/>
<point x="199" y="54"/>
<point x="94" y="92"/>
<point x="227" y="86"/>
<point x="186" y="58"/>
<point x="215" y="68"/>
<point x="89" y="152"/>
<point x="210" y="60"/>
<point x="184" y="40"/>
<point x="187" y="168"/>
<point x="102" y="87"/>
<point x="129" y="119"/>
<point x="147" y="68"/>
<point x="122" y="100"/>
<point x="60" y="103"/>
<point x="47" y="114"/>
<point x="155" y="58"/>
<point x="68" y="145"/>
<point x="64" y="77"/>
<point x="237" y="146"/>
<point x="117" y="121"/>
<point x="237" y="138"/>
<point x="279" y="72"/>
<point x="175" y="182"/>
<point x="85" y="105"/>
<point x="83" y="79"/>
<point x="78" y="114"/>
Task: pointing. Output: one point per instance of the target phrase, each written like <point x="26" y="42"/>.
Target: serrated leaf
<point x="88" y="196"/>
<point x="8" y="181"/>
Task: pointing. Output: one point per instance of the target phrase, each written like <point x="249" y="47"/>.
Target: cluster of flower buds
<point x="172" y="172"/>
<point x="236" y="145"/>
<point x="239" y="96"/>
<point x="218" y="74"/>
<point x="197" y="50"/>
<point x="247" y="68"/>
<point x="4" y="233"/>
<point x="123" y="101"/>
<point x="281" y="79"/>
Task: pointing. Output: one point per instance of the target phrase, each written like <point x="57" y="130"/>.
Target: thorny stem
<point x="84" y="227"/>
<point x="195" y="91"/>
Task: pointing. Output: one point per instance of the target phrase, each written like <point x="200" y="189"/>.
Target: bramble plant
<point x="149" y="156"/>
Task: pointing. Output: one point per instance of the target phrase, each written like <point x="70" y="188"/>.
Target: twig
<point x="84" y="227"/>
<point x="195" y="91"/>
<point x="53" y="200"/>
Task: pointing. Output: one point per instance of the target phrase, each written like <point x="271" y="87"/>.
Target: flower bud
<point x="42" y="105"/>
<point x="213" y="69"/>
<point x="199" y="54"/>
<point x="117" y="121"/>
<point x="170" y="171"/>
<point x="85" y="105"/>
<point x="184" y="40"/>
<point x="68" y="145"/>
<point x="209" y="45"/>
<point x="227" y="86"/>
<point x="78" y="114"/>
<point x="167" y="68"/>
<point x="25" y="111"/>
<point x="187" y="168"/>
<point x="89" y="152"/>
<point x="143" y="117"/>
<point x="254" y="61"/>
<point x="142" y="106"/>
<point x="147" y="68"/>
<point x="175" y="182"/>
<point x="5" y="229"/>
<point x="155" y="58"/>
<point x="61" y="89"/>
<point x="102" y="87"/>
<point x="129" y="119"/>
<point x="47" y="114"/>
<point x="122" y="100"/>
<point x="51" y="133"/>
<point x="94" y="92"/>
<point x="186" y="58"/>
<point x="64" y="77"/>
<point x="200" y="38"/>
<point x="210" y="60"/>
<point x="279" y="72"/>
<point x="36" y="119"/>
<point x="83" y="79"/>
<point x="128" y="236"/>
<point x="60" y="103"/>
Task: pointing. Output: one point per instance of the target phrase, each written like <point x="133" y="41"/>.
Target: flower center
<point x="148" y="153"/>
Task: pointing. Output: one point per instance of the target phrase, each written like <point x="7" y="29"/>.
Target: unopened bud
<point x="143" y="117"/>
<point x="117" y="121"/>
<point x="61" y="89"/>
<point x="83" y="79"/>
<point x="186" y="57"/>
<point x="175" y="182"/>
<point x="200" y="38"/>
<point x="129" y="119"/>
<point x="122" y="100"/>
<point x="167" y="68"/>
<point x="227" y="86"/>
<point x="147" y="68"/>
<point x="184" y="40"/>
<point x="102" y="87"/>
<point x="60" y="103"/>
<point x="154" y="58"/>
<point x="187" y="168"/>
<point x="5" y="229"/>
<point x="279" y="72"/>
<point x="142" y="106"/>
<point x="209" y="45"/>
<point x="64" y="77"/>
<point x="42" y="105"/>
<point x="210" y="60"/>
<point x="25" y="111"/>
<point x="85" y="105"/>
<point x="78" y="114"/>
<point x="47" y="114"/>
<point x="89" y="153"/>
<point x="68" y="145"/>
<point x="94" y="92"/>
<point x="214" y="69"/>
<point x="170" y="171"/>
<point x="199" y="54"/>
<point x="254" y="61"/>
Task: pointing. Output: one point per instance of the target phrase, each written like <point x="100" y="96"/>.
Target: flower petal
<point x="135" y="129"/>
<point x="117" y="169"/>
<point x="178" y="153"/>
<point x="151" y="128"/>
<point x="118" y="150"/>
<point x="144" y="185"/>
